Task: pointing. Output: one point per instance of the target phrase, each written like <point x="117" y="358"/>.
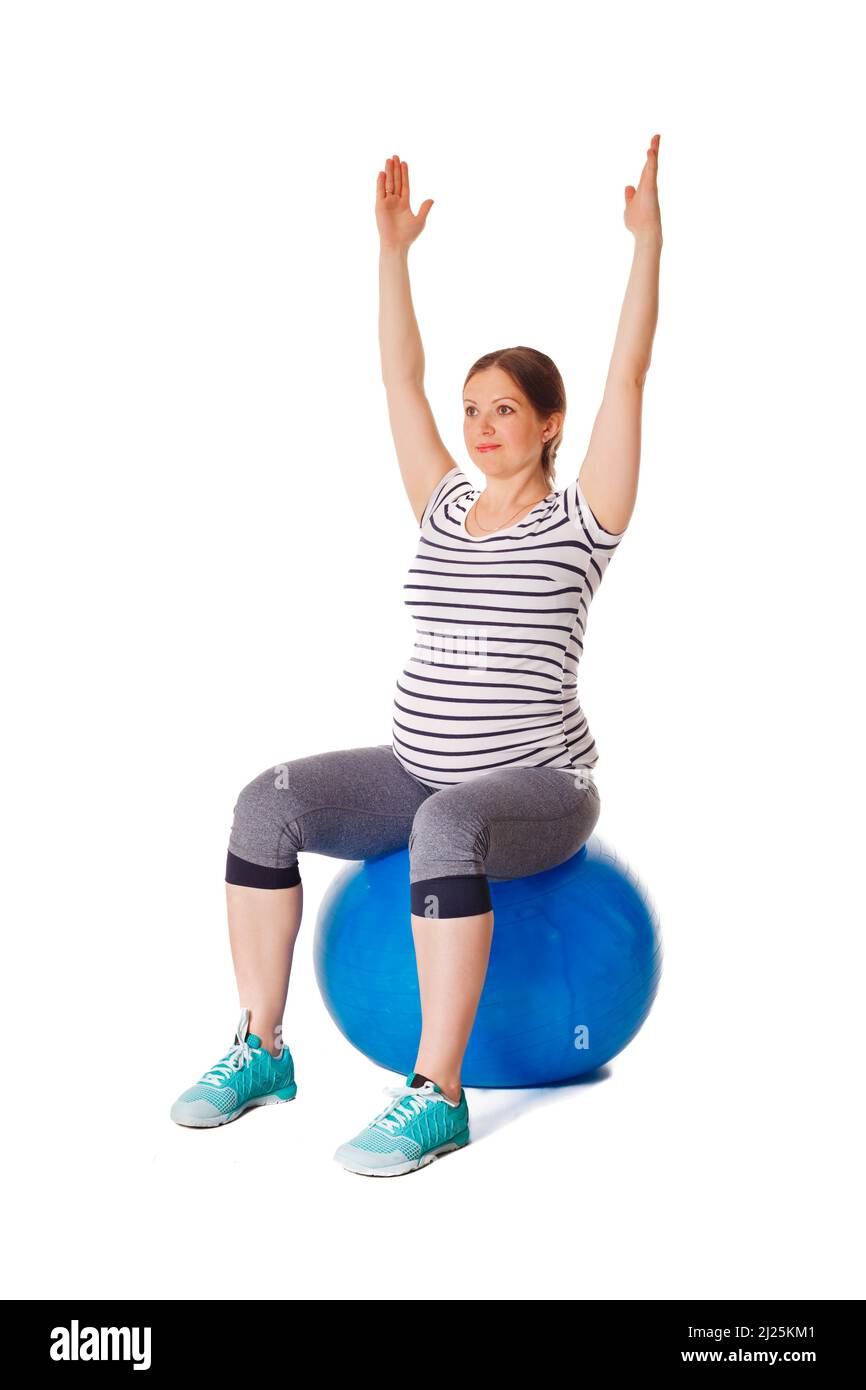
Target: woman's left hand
<point x="642" y="216"/>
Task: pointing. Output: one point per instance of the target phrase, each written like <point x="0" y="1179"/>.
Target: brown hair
<point x="538" y="377"/>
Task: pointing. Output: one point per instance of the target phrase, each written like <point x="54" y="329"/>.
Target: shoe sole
<point x="273" y="1098"/>
<point x="458" y="1142"/>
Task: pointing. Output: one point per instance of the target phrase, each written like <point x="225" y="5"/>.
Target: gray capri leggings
<point x="359" y="803"/>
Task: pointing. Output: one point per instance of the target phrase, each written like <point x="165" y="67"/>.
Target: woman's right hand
<point x="398" y="226"/>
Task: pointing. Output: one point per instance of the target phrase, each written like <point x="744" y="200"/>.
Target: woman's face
<point x="495" y="411"/>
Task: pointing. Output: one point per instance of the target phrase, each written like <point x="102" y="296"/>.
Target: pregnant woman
<point x="489" y="770"/>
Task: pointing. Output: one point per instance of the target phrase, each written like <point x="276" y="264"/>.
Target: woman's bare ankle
<point x="271" y="1035"/>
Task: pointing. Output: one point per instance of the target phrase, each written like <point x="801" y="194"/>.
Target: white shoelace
<point x="410" y="1101"/>
<point x="239" y="1056"/>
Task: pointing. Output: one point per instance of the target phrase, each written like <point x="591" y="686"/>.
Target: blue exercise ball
<point x="574" y="967"/>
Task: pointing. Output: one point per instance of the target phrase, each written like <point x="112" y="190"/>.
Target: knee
<point x="448" y="846"/>
<point x="446" y="832"/>
<point x="265" y="827"/>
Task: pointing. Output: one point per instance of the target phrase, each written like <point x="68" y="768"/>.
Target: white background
<point x="204" y="544"/>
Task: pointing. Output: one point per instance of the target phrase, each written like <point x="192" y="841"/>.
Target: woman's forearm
<point x="399" y="339"/>
<point x="632" y="350"/>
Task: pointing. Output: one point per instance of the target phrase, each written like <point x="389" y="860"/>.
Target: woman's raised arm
<point x="422" y="456"/>
<point x="609" y="473"/>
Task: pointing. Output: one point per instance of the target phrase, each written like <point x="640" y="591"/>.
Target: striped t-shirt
<point x="500" y="624"/>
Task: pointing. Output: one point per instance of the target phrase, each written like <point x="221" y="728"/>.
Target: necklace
<point x="503" y="525"/>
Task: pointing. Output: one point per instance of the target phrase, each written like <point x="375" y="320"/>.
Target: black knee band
<point x="248" y="875"/>
<point x="464" y="895"/>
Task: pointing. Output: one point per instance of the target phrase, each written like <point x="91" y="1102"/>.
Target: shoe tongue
<point x="254" y="1040"/>
<point x="416" y="1079"/>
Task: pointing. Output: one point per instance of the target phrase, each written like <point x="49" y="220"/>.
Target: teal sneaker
<point x="421" y="1124"/>
<point x="248" y="1075"/>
